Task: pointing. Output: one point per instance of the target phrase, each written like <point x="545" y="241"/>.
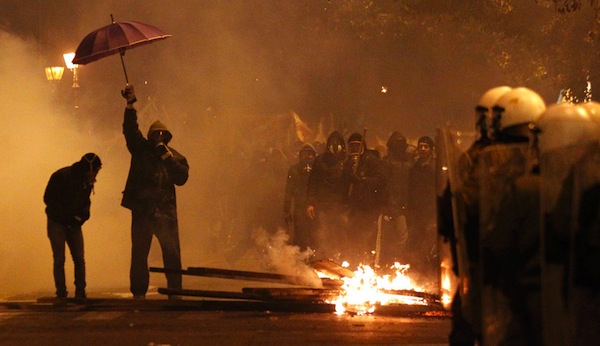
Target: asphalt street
<point x="158" y="321"/>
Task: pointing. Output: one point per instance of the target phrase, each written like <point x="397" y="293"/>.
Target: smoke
<point x="41" y="138"/>
<point x="225" y="84"/>
<point x="285" y="258"/>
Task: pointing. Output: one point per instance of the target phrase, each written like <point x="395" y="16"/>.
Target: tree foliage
<point x="536" y="42"/>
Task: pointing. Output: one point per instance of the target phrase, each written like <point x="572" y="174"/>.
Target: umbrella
<point x="116" y="38"/>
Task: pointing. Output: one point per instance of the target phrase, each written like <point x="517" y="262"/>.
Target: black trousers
<point x="143" y="228"/>
<point x="60" y="235"/>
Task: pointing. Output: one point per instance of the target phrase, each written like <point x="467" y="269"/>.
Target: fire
<point x="365" y="290"/>
<point x="448" y="284"/>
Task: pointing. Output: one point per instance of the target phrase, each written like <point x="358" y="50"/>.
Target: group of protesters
<point x="349" y="202"/>
<point x="149" y="193"/>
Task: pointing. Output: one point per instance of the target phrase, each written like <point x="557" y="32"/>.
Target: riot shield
<point x="453" y="164"/>
<point x="570" y="246"/>
<point x="499" y="168"/>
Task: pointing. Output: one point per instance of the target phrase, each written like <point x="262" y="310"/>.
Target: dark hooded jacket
<point x="150" y="186"/>
<point x="397" y="166"/>
<point x="326" y="189"/>
<point x="67" y="195"/>
<point x="364" y="179"/>
<point x="297" y="184"/>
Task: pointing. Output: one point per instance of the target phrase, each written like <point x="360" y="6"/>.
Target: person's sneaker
<point x="139" y="297"/>
<point x="80" y="295"/>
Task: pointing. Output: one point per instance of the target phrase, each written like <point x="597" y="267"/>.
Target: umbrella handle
<point x="121" y="54"/>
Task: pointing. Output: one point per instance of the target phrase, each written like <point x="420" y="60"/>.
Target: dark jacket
<point x="366" y="183"/>
<point x="151" y="181"/>
<point x="67" y="195"/>
<point x="325" y="185"/>
<point x="421" y="191"/>
<point x="296" y="188"/>
<point x="397" y="185"/>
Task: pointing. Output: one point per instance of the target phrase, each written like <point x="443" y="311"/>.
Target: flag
<point x="303" y="132"/>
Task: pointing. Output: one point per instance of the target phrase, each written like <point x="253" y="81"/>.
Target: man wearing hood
<point x="294" y="203"/>
<point x="365" y="182"/>
<point x="150" y="195"/>
<point x="397" y="164"/>
<point x="326" y="196"/>
<point x="421" y="210"/>
<point x="67" y="199"/>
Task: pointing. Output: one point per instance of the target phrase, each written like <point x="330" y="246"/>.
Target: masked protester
<point x="365" y="180"/>
<point x="294" y="203"/>
<point x="67" y="199"/>
<point x="326" y="196"/>
<point x="150" y="195"/>
<point x="397" y="164"/>
<point x="421" y="210"/>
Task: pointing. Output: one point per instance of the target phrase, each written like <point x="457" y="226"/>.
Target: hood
<point x="158" y="126"/>
<point x="428" y="140"/>
<point x="336" y="144"/>
<point x="308" y="146"/>
<point x="91" y="161"/>
<point x="336" y="135"/>
<point x="396" y="136"/>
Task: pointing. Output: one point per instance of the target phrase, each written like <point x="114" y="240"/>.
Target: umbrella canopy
<point x="116" y="38"/>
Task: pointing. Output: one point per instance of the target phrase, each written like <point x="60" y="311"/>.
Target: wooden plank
<point x="236" y="275"/>
<point x="248" y="276"/>
<point x="331" y="268"/>
<point x="413" y="293"/>
<point x="292" y="293"/>
<point x="207" y="294"/>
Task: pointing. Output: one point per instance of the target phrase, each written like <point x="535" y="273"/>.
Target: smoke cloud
<point x="226" y="84"/>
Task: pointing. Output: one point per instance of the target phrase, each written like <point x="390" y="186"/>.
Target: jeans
<point x="60" y="234"/>
<point x="143" y="228"/>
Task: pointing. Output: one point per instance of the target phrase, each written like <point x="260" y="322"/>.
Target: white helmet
<point x="593" y="110"/>
<point x="490" y="97"/>
<point x="483" y="110"/>
<point x="519" y="106"/>
<point x="563" y="125"/>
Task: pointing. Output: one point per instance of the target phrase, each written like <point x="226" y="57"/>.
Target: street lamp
<point x="73" y="67"/>
<point x="54" y="73"/>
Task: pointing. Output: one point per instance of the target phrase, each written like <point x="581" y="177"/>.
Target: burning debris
<point x="363" y="291"/>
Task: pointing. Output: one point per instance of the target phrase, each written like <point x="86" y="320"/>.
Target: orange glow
<point x="363" y="292"/>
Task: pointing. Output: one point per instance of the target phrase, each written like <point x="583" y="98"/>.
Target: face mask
<point x="307" y="156"/>
<point x="355" y="148"/>
<point x="335" y="147"/>
<point x="158" y="136"/>
<point x="398" y="146"/>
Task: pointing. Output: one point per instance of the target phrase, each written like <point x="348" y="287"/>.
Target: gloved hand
<point x="162" y="151"/>
<point x="129" y="94"/>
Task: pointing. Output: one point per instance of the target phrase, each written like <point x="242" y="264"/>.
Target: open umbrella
<point x="116" y="38"/>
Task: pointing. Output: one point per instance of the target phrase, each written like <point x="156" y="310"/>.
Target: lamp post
<point x="73" y="67"/>
<point x="54" y="75"/>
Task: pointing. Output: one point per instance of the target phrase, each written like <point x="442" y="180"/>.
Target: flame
<point x="361" y="293"/>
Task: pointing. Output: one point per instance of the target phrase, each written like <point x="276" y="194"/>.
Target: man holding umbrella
<point x="150" y="195"/>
